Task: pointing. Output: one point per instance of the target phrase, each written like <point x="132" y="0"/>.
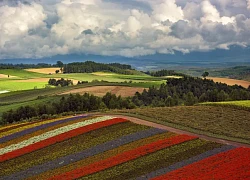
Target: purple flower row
<point x="63" y="161"/>
<point x="34" y="129"/>
<point x="185" y="162"/>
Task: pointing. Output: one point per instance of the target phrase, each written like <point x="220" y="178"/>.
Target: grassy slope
<point x="219" y="122"/>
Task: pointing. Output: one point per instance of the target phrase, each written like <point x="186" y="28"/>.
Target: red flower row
<point x="123" y="157"/>
<point x="233" y="164"/>
<point x="59" y="138"/>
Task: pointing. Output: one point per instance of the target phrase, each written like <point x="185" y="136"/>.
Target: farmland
<point x="231" y="82"/>
<point x="38" y="78"/>
<point x="105" y="147"/>
<point x="220" y="122"/>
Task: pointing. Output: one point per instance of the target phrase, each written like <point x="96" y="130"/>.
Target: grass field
<point x="105" y="147"/>
<point x="20" y="73"/>
<point x="16" y="85"/>
<point x="38" y="78"/>
<point x="221" y="122"/>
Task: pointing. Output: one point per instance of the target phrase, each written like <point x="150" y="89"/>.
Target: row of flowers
<point x="69" y="146"/>
<point x="34" y="127"/>
<point x="124" y="157"/>
<point x="186" y="162"/>
<point x="66" y="160"/>
<point x="24" y="126"/>
<point x="51" y="137"/>
<point x="233" y="164"/>
<point x="156" y="160"/>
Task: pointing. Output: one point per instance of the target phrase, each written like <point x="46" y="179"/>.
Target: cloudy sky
<point x="129" y="28"/>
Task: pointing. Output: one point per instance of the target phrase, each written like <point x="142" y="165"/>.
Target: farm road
<point x="178" y="131"/>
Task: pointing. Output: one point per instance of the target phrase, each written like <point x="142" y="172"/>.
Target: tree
<point x="59" y="64"/>
<point x="190" y="99"/>
<point x="205" y="74"/>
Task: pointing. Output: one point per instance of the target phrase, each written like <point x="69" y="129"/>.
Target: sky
<point x="127" y="28"/>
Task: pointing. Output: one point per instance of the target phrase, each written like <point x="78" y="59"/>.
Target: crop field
<point x="244" y="103"/>
<point x="215" y="121"/>
<point x="231" y="82"/>
<point x="106" y="147"/>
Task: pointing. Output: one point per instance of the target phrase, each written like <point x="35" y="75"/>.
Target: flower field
<point x="105" y="147"/>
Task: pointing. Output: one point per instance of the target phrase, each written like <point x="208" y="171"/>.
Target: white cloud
<point x="15" y="22"/>
<point x="167" y="10"/>
<point x="106" y="27"/>
<point x="248" y="4"/>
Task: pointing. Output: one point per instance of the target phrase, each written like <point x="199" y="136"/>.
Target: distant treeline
<point x="237" y="72"/>
<point x="165" y="72"/>
<point x="184" y="91"/>
<point x="90" y="66"/>
<point x="26" y="66"/>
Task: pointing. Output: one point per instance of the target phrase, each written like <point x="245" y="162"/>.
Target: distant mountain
<point x="217" y="58"/>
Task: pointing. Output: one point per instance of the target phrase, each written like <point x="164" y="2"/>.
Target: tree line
<point x="71" y="103"/>
<point x="90" y="66"/>
<point x="188" y="91"/>
<point x="26" y="66"/>
<point x="165" y="72"/>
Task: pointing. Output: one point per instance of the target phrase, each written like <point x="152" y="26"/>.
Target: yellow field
<point x="6" y="76"/>
<point x="44" y="70"/>
<point x="230" y="82"/>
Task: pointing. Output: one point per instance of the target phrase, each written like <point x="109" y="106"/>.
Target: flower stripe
<point x="30" y="125"/>
<point x="101" y="156"/>
<point x="124" y="157"/>
<point x="63" y="161"/>
<point x="54" y="136"/>
<point x="14" y="126"/>
<point x="220" y="166"/>
<point x="185" y="162"/>
<point x="154" y="161"/>
<point x="36" y="127"/>
<point x="39" y="132"/>
<point x="69" y="146"/>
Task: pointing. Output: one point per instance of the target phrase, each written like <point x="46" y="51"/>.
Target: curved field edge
<point x="166" y="122"/>
<point x="241" y="105"/>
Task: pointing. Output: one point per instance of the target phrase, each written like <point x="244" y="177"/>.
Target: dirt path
<point x="178" y="131"/>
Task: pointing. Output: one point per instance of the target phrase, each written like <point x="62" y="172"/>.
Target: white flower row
<point x="52" y="133"/>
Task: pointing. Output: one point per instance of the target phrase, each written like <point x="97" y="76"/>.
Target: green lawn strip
<point x="104" y="155"/>
<point x="12" y="85"/>
<point x="22" y="73"/>
<point x="70" y="146"/>
<point x="154" y="161"/>
<point x="219" y="122"/>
